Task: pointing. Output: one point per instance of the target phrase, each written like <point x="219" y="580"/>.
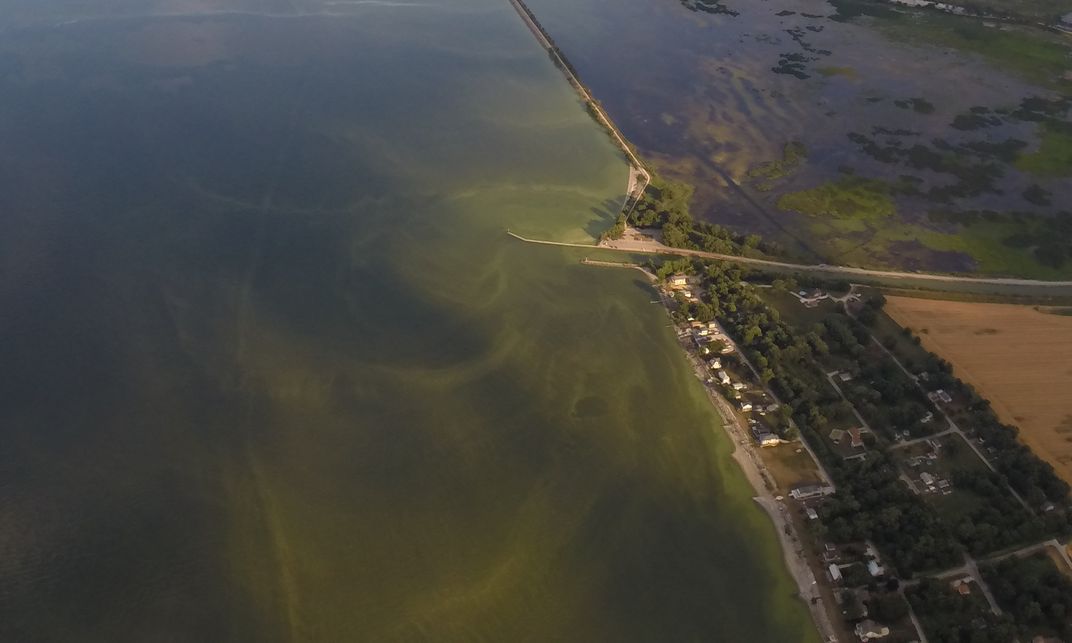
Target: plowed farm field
<point x="1018" y="357"/>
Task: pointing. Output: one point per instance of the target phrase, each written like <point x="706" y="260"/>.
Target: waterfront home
<point x="869" y="630"/>
<point x="835" y="573"/>
<point x="812" y="490"/>
<point x="765" y="438"/>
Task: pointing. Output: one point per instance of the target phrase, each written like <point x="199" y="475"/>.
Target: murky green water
<point x="272" y="371"/>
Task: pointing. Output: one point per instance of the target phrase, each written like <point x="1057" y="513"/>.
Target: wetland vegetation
<point x="868" y="134"/>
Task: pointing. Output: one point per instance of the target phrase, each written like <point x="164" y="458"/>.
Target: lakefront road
<point x="635" y="242"/>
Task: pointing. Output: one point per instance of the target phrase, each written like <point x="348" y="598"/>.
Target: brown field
<point x="789" y="468"/>
<point x="1015" y="356"/>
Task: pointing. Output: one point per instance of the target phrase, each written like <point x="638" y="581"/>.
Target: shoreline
<point x="743" y="451"/>
<point x="639" y="177"/>
<point x="751" y="465"/>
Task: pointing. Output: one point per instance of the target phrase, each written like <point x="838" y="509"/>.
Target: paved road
<point x="952" y="425"/>
<point x="908" y="443"/>
<point x="654" y="247"/>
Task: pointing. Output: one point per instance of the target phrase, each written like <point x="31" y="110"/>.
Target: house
<point x="811" y="513"/>
<point x="962" y="585"/>
<point x="856" y="438"/>
<point x="715" y="364"/>
<point x="835" y="573"/>
<point x="805" y="491"/>
<point x="837" y="435"/>
<point x="874" y="568"/>
<point x="927" y="479"/>
<point x="739" y="386"/>
<point x="869" y="630"/>
<point x="678" y="280"/>
<point x="726" y="349"/>
<point x="845" y="376"/>
<point x="724" y="377"/>
<point x="746" y="406"/>
<point x="765" y="438"/>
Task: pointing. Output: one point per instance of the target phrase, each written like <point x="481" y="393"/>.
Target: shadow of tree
<point x="605" y="213"/>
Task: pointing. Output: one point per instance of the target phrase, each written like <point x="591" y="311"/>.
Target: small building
<point x="835" y="573"/>
<point x="739" y="386"/>
<point x="678" y="280"/>
<point x="724" y="377"/>
<point x="874" y="568"/>
<point x="765" y="438"/>
<point x="856" y="438"/>
<point x="927" y="479"/>
<point x="837" y="435"/>
<point x="811" y="513"/>
<point x="805" y="491"/>
<point x="715" y="364"/>
<point x="845" y="376"/>
<point x="869" y="630"/>
<point x="746" y="406"/>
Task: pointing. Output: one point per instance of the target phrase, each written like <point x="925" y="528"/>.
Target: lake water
<point x="273" y="371"/>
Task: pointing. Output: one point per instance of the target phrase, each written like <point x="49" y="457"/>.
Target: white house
<point x="869" y="630"/>
<point x="874" y="568"/>
<point x="835" y="573"/>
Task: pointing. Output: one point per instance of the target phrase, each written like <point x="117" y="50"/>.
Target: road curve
<point x="656" y="248"/>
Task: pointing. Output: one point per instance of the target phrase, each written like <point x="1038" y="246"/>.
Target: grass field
<point x="1017" y="357"/>
<point x="790" y="465"/>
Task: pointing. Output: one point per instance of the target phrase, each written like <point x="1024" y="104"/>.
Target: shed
<point x="835" y="573"/>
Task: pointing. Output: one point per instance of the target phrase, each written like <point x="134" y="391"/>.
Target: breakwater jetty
<point x="639" y="177"/>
